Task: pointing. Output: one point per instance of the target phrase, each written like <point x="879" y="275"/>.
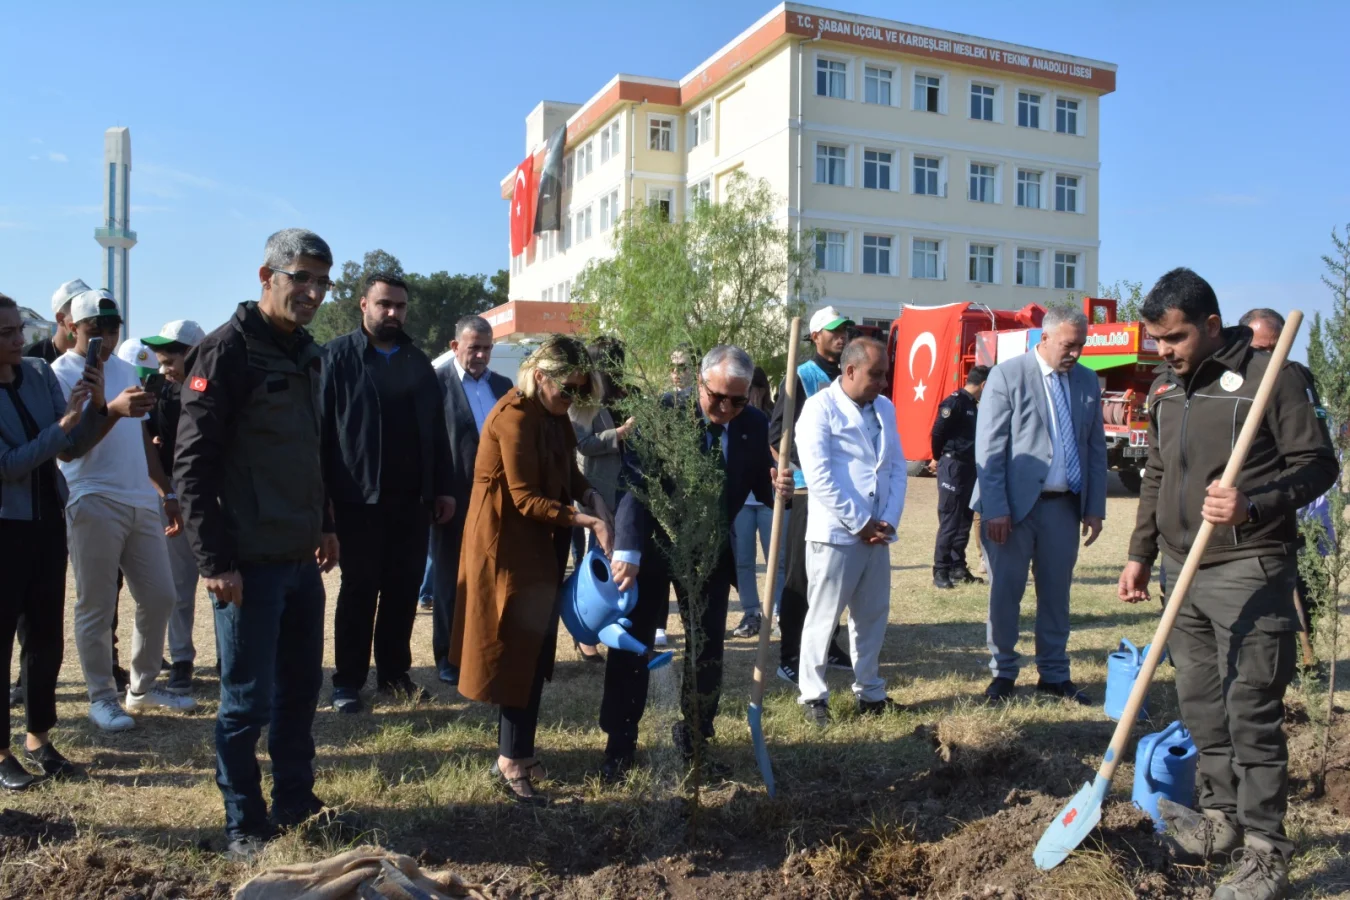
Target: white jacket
<point x="845" y="475"/>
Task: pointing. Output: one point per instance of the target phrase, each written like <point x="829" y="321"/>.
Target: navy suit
<point x="748" y="465"/>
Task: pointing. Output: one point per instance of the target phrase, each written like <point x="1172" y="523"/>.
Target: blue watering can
<point x="594" y="610"/>
<point x="1122" y="668"/>
<point x="1164" y="766"/>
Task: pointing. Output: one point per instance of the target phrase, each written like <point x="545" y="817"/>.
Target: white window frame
<point x="696" y="191"/>
<point x="566" y="231"/>
<point x="941" y="173"/>
<point x="893" y="165"/>
<point x="1019" y="266"/>
<point x="847" y="253"/>
<point x="996" y="195"/>
<point x="845" y="61"/>
<point x="847" y="163"/>
<point x="1078" y="189"/>
<point x="546" y="295"/>
<point x="994" y="268"/>
<point x="1040" y="188"/>
<point x="891" y="252"/>
<point x="585" y="159"/>
<point x="609" y="142"/>
<point x="569" y="167"/>
<point x="1061" y="264"/>
<point x="615" y="211"/>
<point x="895" y="80"/>
<point x="995" y="102"/>
<point x="578" y="229"/>
<point x="1041" y="114"/>
<point x="605" y="214"/>
<point x="942" y="90"/>
<point x="586" y="213"/>
<point x="673" y="122"/>
<point x="656" y="193"/>
<point x="940" y="259"/>
<point x="700" y="126"/>
<point x="1081" y="118"/>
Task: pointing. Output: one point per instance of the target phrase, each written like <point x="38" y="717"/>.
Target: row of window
<point x="562" y="293"/>
<point x="581" y="161"/>
<point x="1033" y="267"/>
<point x="880" y="86"/>
<point x="928" y="177"/>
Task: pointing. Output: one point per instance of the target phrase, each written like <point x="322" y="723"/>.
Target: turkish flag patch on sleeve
<point x="198" y="384"/>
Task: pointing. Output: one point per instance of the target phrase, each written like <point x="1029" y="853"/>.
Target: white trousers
<point x="856" y="576"/>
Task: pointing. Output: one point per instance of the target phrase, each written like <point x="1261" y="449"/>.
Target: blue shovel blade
<point x="761" y="748"/>
<point x="1073" y="823"/>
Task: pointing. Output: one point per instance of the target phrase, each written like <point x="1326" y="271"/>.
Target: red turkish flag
<point x="522" y="207"/>
<point x="927" y="369"/>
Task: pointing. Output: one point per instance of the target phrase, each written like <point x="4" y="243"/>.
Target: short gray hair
<point x="1263" y="313"/>
<point x="289" y="244"/>
<point x="737" y="362"/>
<point x="1064" y="315"/>
<point x="857" y="351"/>
<point x="476" y="324"/>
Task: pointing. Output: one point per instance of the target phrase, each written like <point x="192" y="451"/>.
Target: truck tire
<point x="1132" y="478"/>
<point x="916" y="468"/>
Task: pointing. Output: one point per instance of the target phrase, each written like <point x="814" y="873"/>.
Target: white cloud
<point x="57" y="157"/>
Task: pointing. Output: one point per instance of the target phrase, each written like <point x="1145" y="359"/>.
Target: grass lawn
<point x="944" y="799"/>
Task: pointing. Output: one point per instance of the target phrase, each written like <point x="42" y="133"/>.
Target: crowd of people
<point x="253" y="460"/>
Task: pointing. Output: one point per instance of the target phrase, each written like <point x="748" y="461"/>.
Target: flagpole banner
<point x="548" y="209"/>
<point x="522" y="206"/>
<point x="927" y="367"/>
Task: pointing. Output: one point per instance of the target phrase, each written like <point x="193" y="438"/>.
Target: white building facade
<point x="924" y="166"/>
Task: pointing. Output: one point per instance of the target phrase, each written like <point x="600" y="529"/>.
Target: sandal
<point x="522" y="791"/>
<point x="535" y="770"/>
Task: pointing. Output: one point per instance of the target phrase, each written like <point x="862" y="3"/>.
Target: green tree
<point x="1129" y="297"/>
<point x="726" y="273"/>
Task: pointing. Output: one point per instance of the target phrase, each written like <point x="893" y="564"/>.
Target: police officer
<point x="954" y="462"/>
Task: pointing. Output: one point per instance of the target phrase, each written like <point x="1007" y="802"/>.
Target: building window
<point x="1066" y="193"/>
<point x="877" y="85"/>
<point x="883" y="324"/>
<point x="876" y="254"/>
<point x="614" y="210"/>
<point x="830" y="250"/>
<point x="927" y="93"/>
<point x="586" y="230"/>
<point x="1029" y="268"/>
<point x="609" y="142"/>
<point x="982" y="102"/>
<point x="700" y="126"/>
<point x="605" y="214"/>
<point x="579" y="232"/>
<point x="569" y="164"/>
<point x="982" y="182"/>
<point x="564" y="291"/>
<point x="1066" y="116"/>
<point x="604" y="147"/>
<point x="982" y="263"/>
<point x="566" y="231"/>
<point x="663" y="201"/>
<point x="831" y="78"/>
<point x="584" y="158"/>
<point x="546" y="246"/>
<point x="661" y="133"/>
<point x="1028" y="109"/>
<point x="700" y="193"/>
<point x="831" y="164"/>
<point x="877" y="170"/>
<point x="1066" y="271"/>
<point x="925" y="259"/>
<point x="927" y="170"/>
<point x="546" y="295"/>
<point x="1028" y="189"/>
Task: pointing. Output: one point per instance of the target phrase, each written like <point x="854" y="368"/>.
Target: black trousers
<point x="1235" y="647"/>
<point x="33" y="558"/>
<point x="956" y="482"/>
<point x="446" y="541"/>
<point x="626" y="675"/>
<point x="792" y="607"/>
<point x="383" y="553"/>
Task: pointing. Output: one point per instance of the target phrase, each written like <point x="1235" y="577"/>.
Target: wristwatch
<point x="170" y="496"/>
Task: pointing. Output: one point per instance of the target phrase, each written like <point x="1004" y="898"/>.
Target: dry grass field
<point x="944" y="799"/>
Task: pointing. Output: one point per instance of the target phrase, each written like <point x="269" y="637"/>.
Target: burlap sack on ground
<point x="357" y="875"/>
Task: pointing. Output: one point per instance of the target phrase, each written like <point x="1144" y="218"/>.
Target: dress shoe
<point x="1000" y="690"/>
<point x="942" y="580"/>
<point x="1066" y="690"/>
<point x="13" y="776"/>
<point x="615" y="768"/>
<point x="49" y="761"/>
<point x="347" y="702"/>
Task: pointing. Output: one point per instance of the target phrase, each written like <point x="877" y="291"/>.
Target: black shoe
<point x="963" y="576"/>
<point x="449" y="674"/>
<point x="788" y="672"/>
<point x="1000" y="690"/>
<point x="180" y="679"/>
<point x="49" y="761"/>
<point x="347" y="702"/>
<point x="596" y="657"/>
<point x="122" y="678"/>
<point x="877" y="707"/>
<point x="749" y="626"/>
<point x="615" y="768"/>
<point x="941" y="579"/>
<point x="16" y="696"/>
<point x="13" y="776"/>
<point x="1066" y="690"/>
<point x="401" y="690"/>
<point x="817" y="712"/>
<point x="246" y="848"/>
<point x="838" y="659"/>
<point x="165" y="665"/>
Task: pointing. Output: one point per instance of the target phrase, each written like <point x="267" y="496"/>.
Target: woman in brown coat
<point x="516" y="536"/>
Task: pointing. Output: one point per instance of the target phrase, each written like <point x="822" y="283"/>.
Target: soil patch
<point x="77" y="872"/>
<point x="22" y="832"/>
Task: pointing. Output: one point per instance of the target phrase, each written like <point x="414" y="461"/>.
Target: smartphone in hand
<point x="91" y="355"/>
<point x="154" y="382"/>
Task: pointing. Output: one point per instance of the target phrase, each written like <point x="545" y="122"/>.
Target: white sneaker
<point x="660" y="640"/>
<point x="157" y="696"/>
<point x="109" y="715"/>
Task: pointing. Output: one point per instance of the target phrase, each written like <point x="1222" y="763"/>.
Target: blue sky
<point x="390" y="126"/>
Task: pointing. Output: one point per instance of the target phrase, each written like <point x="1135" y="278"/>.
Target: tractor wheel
<point x="1132" y="477"/>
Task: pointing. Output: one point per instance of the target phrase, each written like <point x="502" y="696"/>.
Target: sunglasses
<point x="575" y="391"/>
<point x="735" y="401"/>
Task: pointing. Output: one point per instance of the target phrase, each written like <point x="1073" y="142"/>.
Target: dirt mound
<point x="84" y="872"/>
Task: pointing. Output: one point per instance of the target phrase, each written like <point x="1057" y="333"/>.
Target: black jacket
<point x="247" y="464"/>
<point x="954" y="428"/>
<point x="463" y="430"/>
<point x="353" y="455"/>
<point x="1193" y="426"/>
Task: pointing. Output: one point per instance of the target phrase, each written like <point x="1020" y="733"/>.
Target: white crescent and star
<point x="519" y="194"/>
<point x="924" y="340"/>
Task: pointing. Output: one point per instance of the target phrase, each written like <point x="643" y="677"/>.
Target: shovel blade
<point x="761" y="748"/>
<point x="1072" y="824"/>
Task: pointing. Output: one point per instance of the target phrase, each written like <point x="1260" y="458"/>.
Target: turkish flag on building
<point x="927" y="369"/>
<point x="522" y="207"/>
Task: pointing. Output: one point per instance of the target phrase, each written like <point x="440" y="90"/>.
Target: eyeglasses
<point x="304" y="279"/>
<point x="735" y="401"/>
<point x="575" y="391"/>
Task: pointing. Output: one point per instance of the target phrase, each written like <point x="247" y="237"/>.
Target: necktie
<point x="1068" y="444"/>
<point x="714" y="432"/>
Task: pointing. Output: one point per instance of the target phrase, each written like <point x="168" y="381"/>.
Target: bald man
<point x="1266" y="325"/>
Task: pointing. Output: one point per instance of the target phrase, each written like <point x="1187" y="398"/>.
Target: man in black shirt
<point x="386" y="460"/>
<point x="954" y="463"/>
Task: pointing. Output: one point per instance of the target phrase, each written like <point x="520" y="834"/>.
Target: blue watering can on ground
<point x="1122" y="668"/>
<point x="1164" y="766"/>
<point x="595" y="610"/>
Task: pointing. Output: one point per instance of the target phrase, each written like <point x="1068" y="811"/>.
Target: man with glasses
<point x="248" y="466"/>
<point x="740" y="436"/>
<point x="113" y="521"/>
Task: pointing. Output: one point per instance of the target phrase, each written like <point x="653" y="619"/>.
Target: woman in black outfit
<point x="37" y="425"/>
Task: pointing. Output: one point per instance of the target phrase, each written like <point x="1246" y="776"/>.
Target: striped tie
<point x="1073" y="472"/>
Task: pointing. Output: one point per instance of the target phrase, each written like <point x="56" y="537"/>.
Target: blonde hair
<point x="557" y="357"/>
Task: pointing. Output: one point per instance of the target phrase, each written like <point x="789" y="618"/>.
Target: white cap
<point x="65" y="292"/>
<point x="93" y="305"/>
<point x="182" y="331"/>
<point x="828" y="319"/>
<point x="134" y="352"/>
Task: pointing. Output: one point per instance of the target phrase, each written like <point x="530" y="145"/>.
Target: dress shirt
<point x="1056" y="479"/>
<point x="479" y="393"/>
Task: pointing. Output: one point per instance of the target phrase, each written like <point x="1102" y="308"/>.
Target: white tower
<point x="115" y="235"/>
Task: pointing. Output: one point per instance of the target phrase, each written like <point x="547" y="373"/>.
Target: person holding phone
<point x="113" y="521"/>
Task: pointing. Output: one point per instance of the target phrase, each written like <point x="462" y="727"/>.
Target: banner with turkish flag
<point x="522" y="207"/>
<point x="927" y="368"/>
